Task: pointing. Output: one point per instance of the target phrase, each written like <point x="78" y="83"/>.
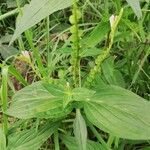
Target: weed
<point x="75" y="79"/>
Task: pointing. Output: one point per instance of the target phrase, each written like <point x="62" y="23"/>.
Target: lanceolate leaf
<point x="135" y="4"/>
<point x="36" y="11"/>
<point x="38" y="100"/>
<point x="119" y="112"/>
<point x="17" y="75"/>
<point x="80" y="131"/>
<point x="98" y="34"/>
<point x="31" y="139"/>
<point x="7" y="51"/>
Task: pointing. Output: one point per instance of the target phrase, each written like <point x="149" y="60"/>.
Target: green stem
<point x="56" y="140"/>
<point x="110" y="140"/>
<point x="106" y="51"/>
<point x="106" y="7"/>
<point x="35" y="53"/>
<point x="4" y="97"/>
<point x="98" y="136"/>
<point x="76" y="48"/>
<point x="93" y="7"/>
<point x="8" y="14"/>
<point x="117" y="5"/>
<point x="48" y="45"/>
<point x="19" y="8"/>
<point x="135" y="77"/>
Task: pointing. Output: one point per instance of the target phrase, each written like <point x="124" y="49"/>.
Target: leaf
<point x="119" y="112"/>
<point x="12" y="4"/>
<point x="84" y="53"/>
<point x="17" y="75"/>
<point x="36" y="11"/>
<point x="80" y="131"/>
<point x="135" y="5"/>
<point x="31" y="139"/>
<point x="7" y="51"/>
<point x="112" y="75"/>
<point x="134" y="27"/>
<point x="6" y="38"/>
<point x="90" y="52"/>
<point x="38" y="101"/>
<point x="146" y="148"/>
<point x="97" y="35"/>
<point x="71" y="144"/>
<point x="2" y="140"/>
<point x="82" y="94"/>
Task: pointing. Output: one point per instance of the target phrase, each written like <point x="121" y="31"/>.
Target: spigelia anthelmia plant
<point x="77" y="78"/>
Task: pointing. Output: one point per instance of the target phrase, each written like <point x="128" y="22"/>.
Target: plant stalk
<point x="4" y="97"/>
<point x="8" y="14"/>
<point x="56" y="140"/>
<point x="76" y="48"/>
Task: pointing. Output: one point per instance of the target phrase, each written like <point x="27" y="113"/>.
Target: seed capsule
<point x="73" y="29"/>
<point x="72" y="19"/>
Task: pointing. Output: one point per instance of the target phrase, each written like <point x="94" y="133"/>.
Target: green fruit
<point x="72" y="19"/>
<point x="73" y="29"/>
<point x="73" y="38"/>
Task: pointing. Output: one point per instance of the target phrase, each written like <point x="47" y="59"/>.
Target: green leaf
<point x="82" y="94"/>
<point x="80" y="131"/>
<point x="6" y="38"/>
<point x="83" y="53"/>
<point x="7" y="51"/>
<point x="90" y="52"/>
<point x="119" y="112"/>
<point x="97" y="35"/>
<point x="36" y="11"/>
<point x="71" y="144"/>
<point x="17" y="75"/>
<point x="146" y="148"/>
<point x="112" y="75"/>
<point x="31" y="139"/>
<point x="135" y="5"/>
<point x="39" y="100"/>
<point x="2" y="140"/>
<point x="12" y="4"/>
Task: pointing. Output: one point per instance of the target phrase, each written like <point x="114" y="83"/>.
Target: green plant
<point x="72" y="104"/>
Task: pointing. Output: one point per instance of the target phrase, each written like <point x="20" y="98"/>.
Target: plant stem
<point x="76" y="48"/>
<point x="8" y="14"/>
<point x="56" y="140"/>
<point x="105" y="52"/>
<point x="93" y="7"/>
<point x="35" y="53"/>
<point x="135" y="77"/>
<point x="48" y="47"/>
<point x="110" y="140"/>
<point x="117" y="4"/>
<point x="4" y="96"/>
<point x="106" y="5"/>
<point x="98" y="136"/>
<point x="19" y="8"/>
